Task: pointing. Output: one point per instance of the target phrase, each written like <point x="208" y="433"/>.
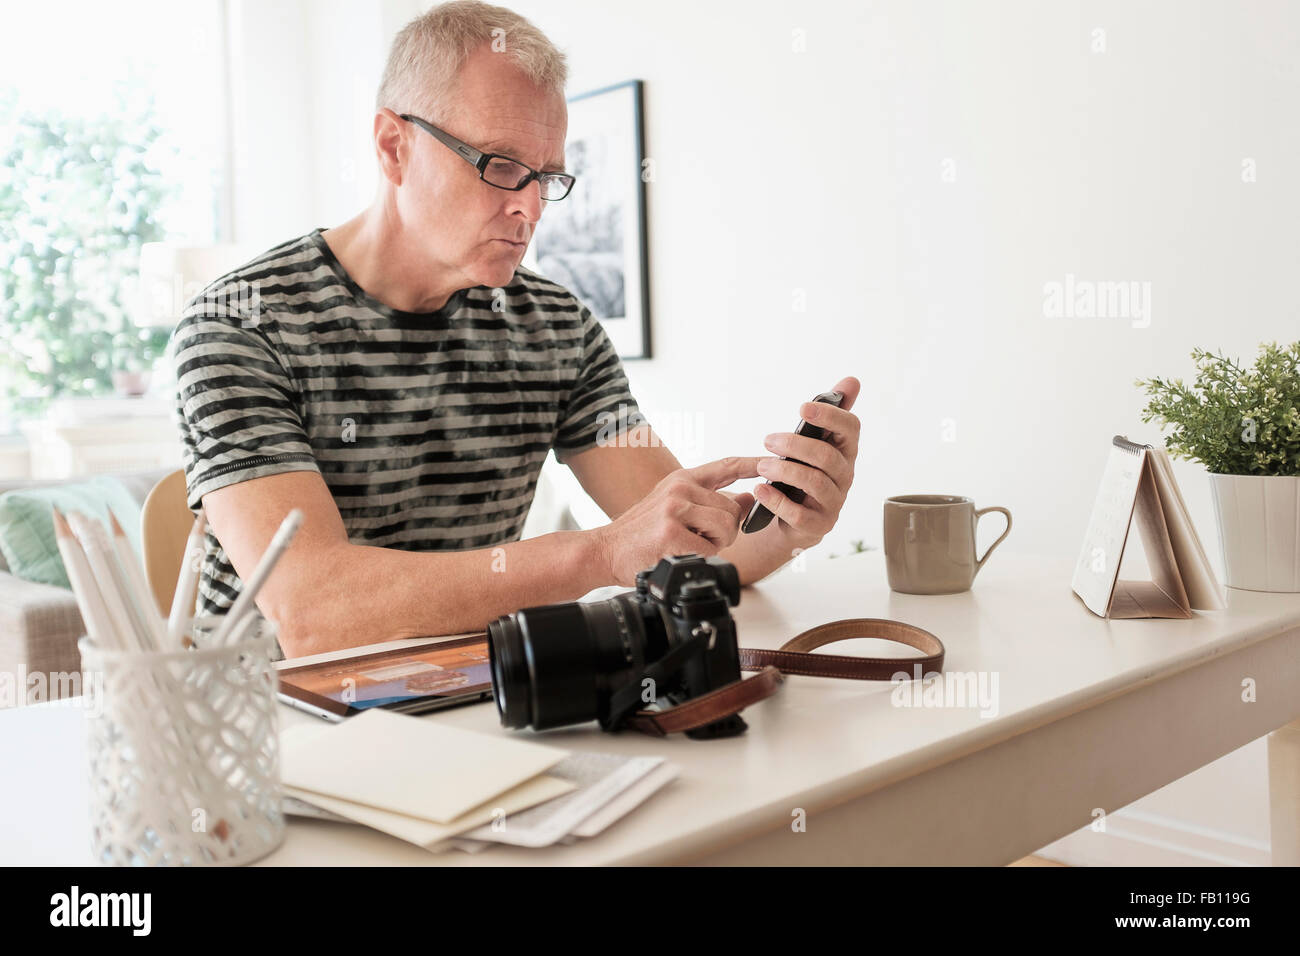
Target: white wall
<point x="824" y="173"/>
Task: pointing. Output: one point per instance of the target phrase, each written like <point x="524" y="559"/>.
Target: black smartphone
<point x="759" y="516"/>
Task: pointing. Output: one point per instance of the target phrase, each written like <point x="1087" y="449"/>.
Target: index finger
<point x="718" y="474"/>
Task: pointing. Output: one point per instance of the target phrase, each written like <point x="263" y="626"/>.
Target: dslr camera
<point x="670" y="640"/>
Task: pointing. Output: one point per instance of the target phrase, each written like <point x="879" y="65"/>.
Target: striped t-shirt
<point x="429" y="428"/>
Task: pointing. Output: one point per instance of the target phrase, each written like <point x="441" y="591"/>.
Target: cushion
<point x="27" y="523"/>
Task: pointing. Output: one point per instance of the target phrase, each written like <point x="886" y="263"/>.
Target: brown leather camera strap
<point x="792" y="657"/>
<point x="726" y="700"/>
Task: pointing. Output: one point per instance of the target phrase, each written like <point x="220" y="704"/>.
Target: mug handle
<point x="983" y="511"/>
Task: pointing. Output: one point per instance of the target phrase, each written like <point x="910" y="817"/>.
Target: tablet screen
<point x="449" y="669"/>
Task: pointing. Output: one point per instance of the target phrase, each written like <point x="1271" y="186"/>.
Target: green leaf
<point x="1232" y="419"/>
<point x="77" y="200"/>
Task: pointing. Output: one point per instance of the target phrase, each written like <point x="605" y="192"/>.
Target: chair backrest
<point x="165" y="523"/>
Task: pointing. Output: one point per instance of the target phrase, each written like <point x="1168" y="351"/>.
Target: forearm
<point x="351" y="595"/>
<point x="759" y="554"/>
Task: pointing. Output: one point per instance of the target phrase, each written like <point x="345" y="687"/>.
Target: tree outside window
<point x="111" y="133"/>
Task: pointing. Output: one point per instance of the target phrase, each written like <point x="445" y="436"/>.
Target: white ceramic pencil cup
<point x="183" y="751"/>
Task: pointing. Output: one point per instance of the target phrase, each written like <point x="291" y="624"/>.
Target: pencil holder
<point x="183" y="751"/>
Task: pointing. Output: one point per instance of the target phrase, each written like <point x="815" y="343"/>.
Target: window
<point x="113" y="125"/>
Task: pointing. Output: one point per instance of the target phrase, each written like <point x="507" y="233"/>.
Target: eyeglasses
<point x="499" y="171"/>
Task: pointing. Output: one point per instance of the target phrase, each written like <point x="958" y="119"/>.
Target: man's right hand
<point x="685" y="513"/>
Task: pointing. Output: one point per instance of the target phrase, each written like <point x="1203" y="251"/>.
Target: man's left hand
<point x="827" y="476"/>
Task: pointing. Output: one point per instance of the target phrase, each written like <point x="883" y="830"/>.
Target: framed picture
<point x="593" y="242"/>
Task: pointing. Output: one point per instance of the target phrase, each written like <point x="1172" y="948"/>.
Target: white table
<point x="1091" y="714"/>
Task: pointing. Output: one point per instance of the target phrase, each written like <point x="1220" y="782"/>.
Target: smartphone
<point x="759" y="516"/>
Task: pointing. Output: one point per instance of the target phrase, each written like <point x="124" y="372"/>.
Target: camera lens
<point x="559" y="664"/>
<point x="510" y="684"/>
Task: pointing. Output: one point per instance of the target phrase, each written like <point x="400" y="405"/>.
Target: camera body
<point x="670" y="640"/>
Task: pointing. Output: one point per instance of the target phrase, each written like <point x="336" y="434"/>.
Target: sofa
<point x="39" y="623"/>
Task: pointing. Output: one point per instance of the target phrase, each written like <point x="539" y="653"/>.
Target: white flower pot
<point x="1259" y="530"/>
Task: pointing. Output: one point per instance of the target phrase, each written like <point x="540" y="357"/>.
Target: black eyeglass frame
<point x="479" y="159"/>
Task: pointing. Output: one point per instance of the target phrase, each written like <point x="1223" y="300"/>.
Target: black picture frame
<point x="595" y="242"/>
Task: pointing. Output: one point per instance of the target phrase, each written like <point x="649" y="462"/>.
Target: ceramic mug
<point x="930" y="543"/>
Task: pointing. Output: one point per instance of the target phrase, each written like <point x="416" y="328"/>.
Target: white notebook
<point x="409" y="765"/>
<point x="1139" y="482"/>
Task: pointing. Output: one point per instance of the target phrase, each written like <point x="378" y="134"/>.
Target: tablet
<point x="410" y="680"/>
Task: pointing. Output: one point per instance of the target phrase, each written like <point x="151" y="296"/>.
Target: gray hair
<point x="428" y="53"/>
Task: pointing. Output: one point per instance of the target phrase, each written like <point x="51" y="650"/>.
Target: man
<point x="400" y="379"/>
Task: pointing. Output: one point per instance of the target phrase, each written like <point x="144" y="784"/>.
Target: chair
<point x="165" y="523"/>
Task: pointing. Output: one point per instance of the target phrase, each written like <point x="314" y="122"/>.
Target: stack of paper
<point x="440" y="787"/>
<point x="608" y="787"/>
<point x="415" y="779"/>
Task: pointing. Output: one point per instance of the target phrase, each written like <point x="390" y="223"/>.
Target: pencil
<point x="143" y="597"/>
<point x="244" y="602"/>
<point x="108" y="576"/>
<point x="183" y="599"/>
<point x="94" y="615"/>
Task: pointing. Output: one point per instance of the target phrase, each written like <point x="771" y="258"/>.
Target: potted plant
<point x="130" y="377"/>
<point x="1243" y="425"/>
